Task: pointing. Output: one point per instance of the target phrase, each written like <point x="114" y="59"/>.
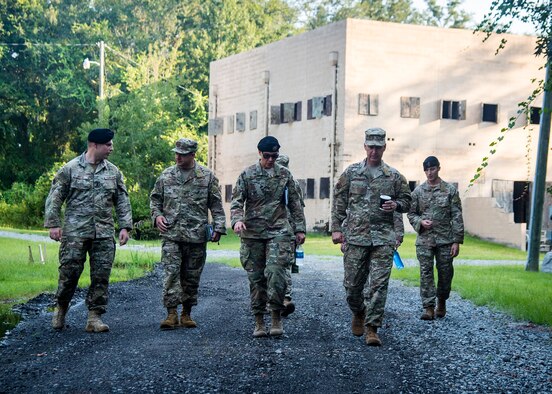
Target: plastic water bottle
<point x="299" y="254"/>
<point x="397" y="260"/>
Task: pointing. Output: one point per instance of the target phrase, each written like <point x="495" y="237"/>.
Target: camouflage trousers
<point x="367" y="271"/>
<point x="266" y="262"/>
<point x="445" y="272"/>
<point x="72" y="256"/>
<point x="288" y="273"/>
<point x="183" y="264"/>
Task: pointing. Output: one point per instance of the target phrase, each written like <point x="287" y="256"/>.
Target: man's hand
<point x="215" y="237"/>
<point x="337" y="237"/>
<point x="239" y="227"/>
<point x="427" y="224"/>
<point x="300" y="238"/>
<point x="55" y="233"/>
<point x="454" y="249"/>
<point x="123" y="237"/>
<point x="161" y="223"/>
<point x="398" y="242"/>
<point x="389" y="206"/>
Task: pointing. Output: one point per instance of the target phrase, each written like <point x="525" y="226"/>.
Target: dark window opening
<point x="490" y="113"/>
<point x="228" y="193"/>
<point x="535" y="115"/>
<point x="310" y="188"/>
<point x="324" y="188"/>
<point x="453" y="109"/>
<point x="521" y="201"/>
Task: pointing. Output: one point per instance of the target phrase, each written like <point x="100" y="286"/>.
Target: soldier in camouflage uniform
<point x="368" y="230"/>
<point x="259" y="216"/>
<point x="289" y="305"/>
<point x="180" y="203"/>
<point x="436" y="215"/>
<point x="90" y="186"/>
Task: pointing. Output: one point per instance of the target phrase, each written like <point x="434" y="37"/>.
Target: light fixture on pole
<point x="87" y="62"/>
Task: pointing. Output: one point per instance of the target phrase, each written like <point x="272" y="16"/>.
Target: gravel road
<point x="472" y="350"/>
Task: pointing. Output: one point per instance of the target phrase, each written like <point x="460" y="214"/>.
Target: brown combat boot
<point x="277" y="328"/>
<point x="289" y="307"/>
<point x="58" y="320"/>
<point x="185" y="318"/>
<point x="171" y="321"/>
<point x="372" y="338"/>
<point x="357" y="325"/>
<point x="429" y="314"/>
<point x="441" y="310"/>
<point x="95" y="323"/>
<point x="260" y="329"/>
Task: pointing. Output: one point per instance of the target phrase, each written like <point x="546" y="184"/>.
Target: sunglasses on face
<point x="273" y="156"/>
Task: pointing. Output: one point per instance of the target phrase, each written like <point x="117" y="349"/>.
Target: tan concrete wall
<point x="483" y="218"/>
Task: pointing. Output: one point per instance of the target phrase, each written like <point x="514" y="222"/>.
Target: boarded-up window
<point x="490" y="113"/>
<point x="318" y="107"/>
<point x="240" y="121"/>
<point x="368" y="104"/>
<point x="275" y="114"/>
<point x="228" y="193"/>
<point x="310" y="189"/>
<point x="303" y="185"/>
<point x="410" y="107"/>
<point x="453" y="109"/>
<point x="324" y="188"/>
<point x="215" y="126"/>
<point x="535" y="115"/>
<point x="328" y="105"/>
<point x="230" y="124"/>
<point x="287" y="112"/>
<point x="253" y="120"/>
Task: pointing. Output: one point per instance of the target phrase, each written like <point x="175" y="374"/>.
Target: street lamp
<point x="87" y="62"/>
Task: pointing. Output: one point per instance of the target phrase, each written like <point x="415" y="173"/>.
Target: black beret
<point x="268" y="144"/>
<point x="100" y="136"/>
<point x="431" y="161"/>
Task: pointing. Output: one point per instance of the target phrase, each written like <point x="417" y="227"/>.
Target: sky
<point x="479" y="8"/>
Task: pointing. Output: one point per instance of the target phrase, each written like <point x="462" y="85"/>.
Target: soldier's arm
<point x="122" y="204"/>
<point x="215" y="206"/>
<point x="340" y="202"/>
<point x="414" y="215"/>
<point x="404" y="198"/>
<point x="295" y="207"/>
<point x="239" y="195"/>
<point x="59" y="191"/>
<point x="456" y="219"/>
<point x="156" y="200"/>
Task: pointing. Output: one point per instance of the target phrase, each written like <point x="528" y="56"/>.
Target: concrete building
<point x="436" y="91"/>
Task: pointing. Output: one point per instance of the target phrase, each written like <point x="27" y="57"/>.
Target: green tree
<point x="498" y="20"/>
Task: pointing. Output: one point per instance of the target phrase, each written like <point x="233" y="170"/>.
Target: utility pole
<point x="539" y="186"/>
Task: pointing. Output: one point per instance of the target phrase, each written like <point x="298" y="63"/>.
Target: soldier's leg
<point x="102" y="254"/>
<point x="426" y="257"/>
<point x="72" y="256"/>
<point x="445" y="271"/>
<point x="192" y="266"/>
<point x="277" y="263"/>
<point x="253" y="260"/>
<point x="171" y="259"/>
<point x="380" y="263"/>
<point x="355" y="262"/>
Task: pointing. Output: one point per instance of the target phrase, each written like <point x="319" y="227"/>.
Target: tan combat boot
<point x="185" y="318"/>
<point x="357" y="325"/>
<point x="171" y="321"/>
<point x="277" y="328"/>
<point x="58" y="320"/>
<point x="372" y="338"/>
<point x="441" y="310"/>
<point x="95" y="323"/>
<point x="289" y="307"/>
<point x="429" y="314"/>
<point x="260" y="329"/>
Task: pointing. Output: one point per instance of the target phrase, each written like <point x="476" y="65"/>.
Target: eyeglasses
<point x="273" y="156"/>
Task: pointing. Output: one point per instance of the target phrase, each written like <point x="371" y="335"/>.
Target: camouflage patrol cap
<point x="283" y="160"/>
<point x="185" y="146"/>
<point x="374" y="137"/>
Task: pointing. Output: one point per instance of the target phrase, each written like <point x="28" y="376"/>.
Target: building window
<point x="490" y="113"/>
<point x="240" y="121"/>
<point x="228" y="193"/>
<point x="318" y="107"/>
<point x="410" y="107"/>
<point x="368" y="104"/>
<point x="324" y="188"/>
<point x="534" y="116"/>
<point x="303" y="186"/>
<point x="451" y="109"/>
<point x="275" y="114"/>
<point x="252" y="120"/>
<point x="521" y="201"/>
<point x="310" y="189"/>
<point x="215" y="126"/>
<point x="286" y="113"/>
<point x="230" y="124"/>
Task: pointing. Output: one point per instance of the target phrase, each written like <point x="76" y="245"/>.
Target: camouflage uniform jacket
<point x="356" y="211"/>
<point x="442" y="204"/>
<point x="263" y="197"/>
<point x="185" y="203"/>
<point x="89" y="198"/>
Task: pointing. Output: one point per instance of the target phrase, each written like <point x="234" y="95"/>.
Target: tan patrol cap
<point x="374" y="137"/>
<point x="185" y="146"/>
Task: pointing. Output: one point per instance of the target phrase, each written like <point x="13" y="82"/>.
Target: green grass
<point x="521" y="294"/>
